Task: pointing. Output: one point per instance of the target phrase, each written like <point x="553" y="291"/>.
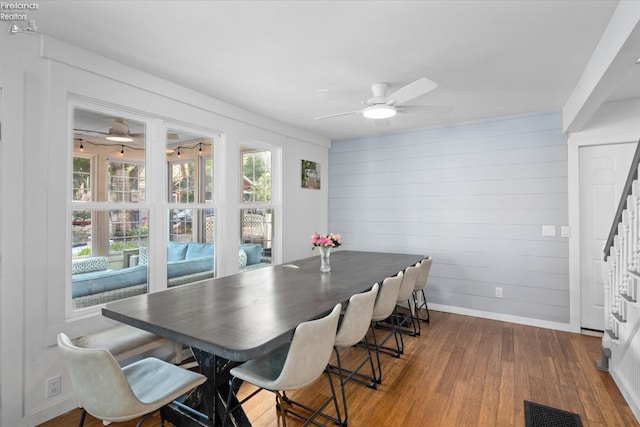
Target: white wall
<point x="613" y="123"/>
<point x="40" y="252"/>
<point x="475" y="197"/>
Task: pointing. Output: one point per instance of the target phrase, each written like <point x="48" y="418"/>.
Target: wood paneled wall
<point x="475" y="197"/>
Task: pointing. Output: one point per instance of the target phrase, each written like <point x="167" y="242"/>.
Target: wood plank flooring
<point x="463" y="371"/>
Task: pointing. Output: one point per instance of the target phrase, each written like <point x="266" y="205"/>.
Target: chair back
<point x="98" y="381"/>
<point x="387" y="297"/>
<point x="423" y="275"/>
<point x="309" y="352"/>
<point x="408" y="283"/>
<point x="357" y="318"/>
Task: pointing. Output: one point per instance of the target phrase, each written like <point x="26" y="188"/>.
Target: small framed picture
<point x="310" y="172"/>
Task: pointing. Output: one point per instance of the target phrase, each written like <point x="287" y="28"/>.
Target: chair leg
<point x="355" y="374"/>
<point x="379" y="347"/>
<point x="396" y="332"/>
<point x="419" y="305"/>
<point x="377" y="377"/>
<point x="282" y="411"/>
<point x="424" y="298"/>
<point x="416" y="314"/>
<point x="342" y="422"/>
<point x="342" y="383"/>
<point x="393" y="330"/>
<point x="373" y="371"/>
<point x="144" y="418"/>
<point x="316" y="412"/>
<point x="82" y="417"/>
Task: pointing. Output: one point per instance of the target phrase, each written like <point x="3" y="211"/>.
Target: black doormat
<point x="537" y="415"/>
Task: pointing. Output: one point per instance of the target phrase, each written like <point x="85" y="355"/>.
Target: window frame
<point x="274" y="205"/>
<point x="154" y="199"/>
<point x="94" y="205"/>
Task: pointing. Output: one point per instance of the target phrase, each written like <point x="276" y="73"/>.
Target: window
<point x="116" y="211"/>
<point x="107" y="231"/>
<point x="82" y="177"/>
<point x="257" y="211"/>
<point x="192" y="225"/>
<point x="126" y="181"/>
<point x="182" y="187"/>
<point x="256" y="175"/>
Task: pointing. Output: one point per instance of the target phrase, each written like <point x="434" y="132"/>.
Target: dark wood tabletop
<point x="246" y="315"/>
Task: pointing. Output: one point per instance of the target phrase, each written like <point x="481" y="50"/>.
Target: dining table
<point x="231" y="319"/>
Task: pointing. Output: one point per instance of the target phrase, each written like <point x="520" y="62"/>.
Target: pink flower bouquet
<point x="329" y="241"/>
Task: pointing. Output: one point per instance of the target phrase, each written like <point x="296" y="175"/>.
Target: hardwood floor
<point x="464" y="371"/>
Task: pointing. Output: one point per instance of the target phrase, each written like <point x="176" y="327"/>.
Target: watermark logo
<point x="18" y="13"/>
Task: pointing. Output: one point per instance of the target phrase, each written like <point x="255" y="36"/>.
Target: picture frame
<point x="310" y="173"/>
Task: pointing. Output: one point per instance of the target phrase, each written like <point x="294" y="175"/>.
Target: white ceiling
<point x="490" y="58"/>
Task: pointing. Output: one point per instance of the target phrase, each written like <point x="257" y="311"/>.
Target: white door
<point x="603" y="172"/>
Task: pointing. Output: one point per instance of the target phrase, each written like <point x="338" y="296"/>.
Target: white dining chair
<point x="382" y="310"/>
<point x="114" y="394"/>
<point x="290" y="367"/>
<point x="419" y="297"/>
<point x="353" y="328"/>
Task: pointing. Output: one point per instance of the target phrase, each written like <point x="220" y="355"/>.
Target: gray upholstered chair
<point x="114" y="394"/>
<point x="419" y="297"/>
<point x="353" y="329"/>
<point x="382" y="310"/>
<point x="292" y="366"/>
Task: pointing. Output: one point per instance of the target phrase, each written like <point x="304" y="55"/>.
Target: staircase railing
<point x="626" y="192"/>
<point x="621" y="341"/>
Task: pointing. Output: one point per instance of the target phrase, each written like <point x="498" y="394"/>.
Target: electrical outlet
<point x="498" y="292"/>
<point x="52" y="387"/>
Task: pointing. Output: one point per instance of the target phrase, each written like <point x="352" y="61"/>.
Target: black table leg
<point x="216" y="369"/>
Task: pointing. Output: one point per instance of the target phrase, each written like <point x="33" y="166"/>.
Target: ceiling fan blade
<point x="91" y="131"/>
<point x="411" y="91"/>
<point x="337" y="115"/>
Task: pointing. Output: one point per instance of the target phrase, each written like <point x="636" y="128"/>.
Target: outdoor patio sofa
<point x="94" y="283"/>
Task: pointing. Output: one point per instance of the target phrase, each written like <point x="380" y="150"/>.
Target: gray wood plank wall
<point x="474" y="196"/>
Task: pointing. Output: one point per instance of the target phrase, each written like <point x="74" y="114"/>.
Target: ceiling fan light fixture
<point x="117" y="138"/>
<point x="379" y="112"/>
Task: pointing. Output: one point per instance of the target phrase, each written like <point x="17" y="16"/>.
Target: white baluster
<point x="635" y="265"/>
<point x="618" y="281"/>
<point x="631" y="208"/>
<point x="625" y="252"/>
<point x="607" y="295"/>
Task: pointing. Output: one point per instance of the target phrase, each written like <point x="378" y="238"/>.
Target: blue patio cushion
<point x="199" y="250"/>
<point x="102" y="281"/>
<point x="254" y="253"/>
<point x="189" y="266"/>
<point x="176" y="251"/>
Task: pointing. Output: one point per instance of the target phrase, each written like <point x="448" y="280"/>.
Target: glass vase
<point x="325" y="259"/>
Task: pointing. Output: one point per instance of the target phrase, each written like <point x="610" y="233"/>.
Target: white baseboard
<point x="49" y="412"/>
<point x="626" y="393"/>
<point x="504" y="317"/>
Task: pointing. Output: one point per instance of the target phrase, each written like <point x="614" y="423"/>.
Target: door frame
<point x="575" y="142"/>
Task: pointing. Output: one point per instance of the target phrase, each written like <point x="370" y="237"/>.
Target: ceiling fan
<point x="119" y="132"/>
<point x="381" y="106"/>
